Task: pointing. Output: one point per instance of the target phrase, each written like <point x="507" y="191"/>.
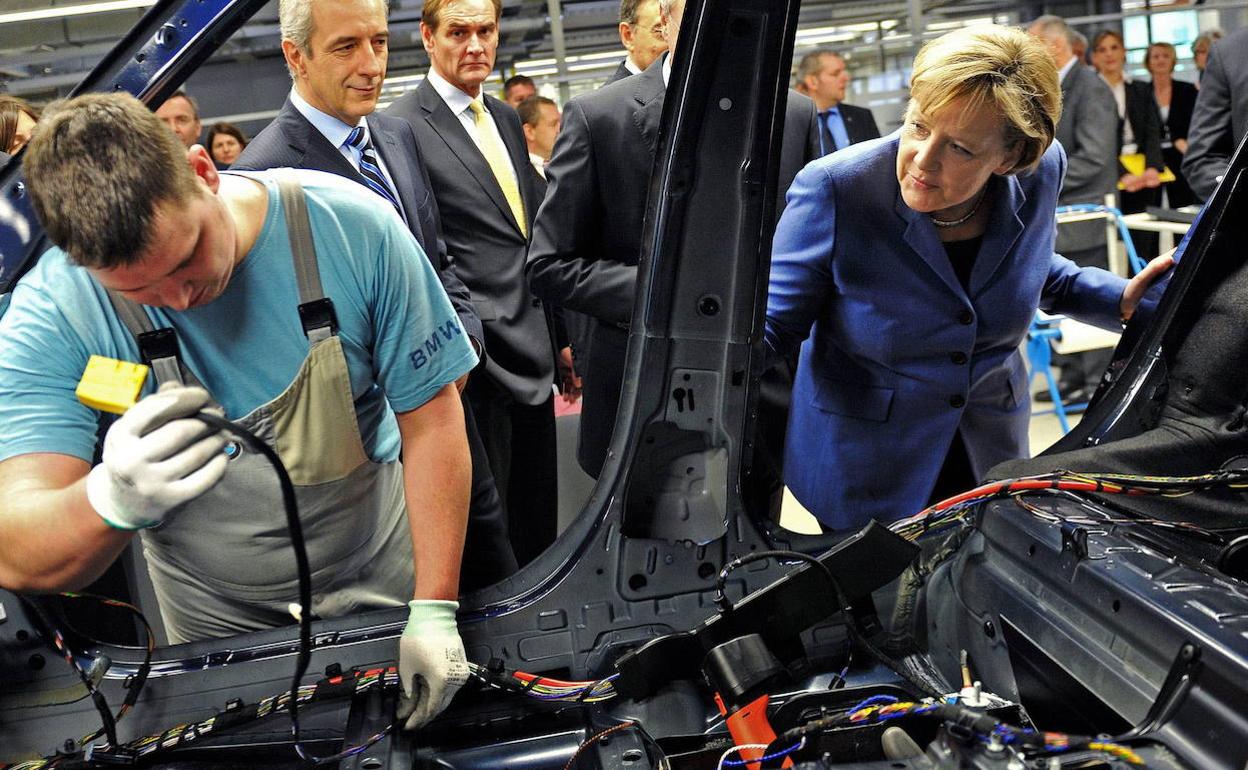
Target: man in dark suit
<point x="587" y="239"/>
<point x="1088" y="131"/>
<point x="1220" y="119"/>
<point x="312" y="131"/>
<point x="488" y="194"/>
<point x="641" y="34"/>
<point x="826" y="79"/>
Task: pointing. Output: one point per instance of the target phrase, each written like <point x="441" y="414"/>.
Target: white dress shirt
<point x="459" y="104"/>
<point x="336" y="132"/>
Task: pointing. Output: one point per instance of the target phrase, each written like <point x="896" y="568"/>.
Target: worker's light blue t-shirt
<point x="402" y="339"/>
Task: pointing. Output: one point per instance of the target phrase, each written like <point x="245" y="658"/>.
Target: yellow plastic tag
<point x="1134" y="164"/>
<point x="111" y="385"/>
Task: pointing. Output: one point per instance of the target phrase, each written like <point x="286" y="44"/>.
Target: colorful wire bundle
<point x="882" y="708"/>
<point x="951" y="511"/>
<point x="180" y="735"/>
<point x="545" y="688"/>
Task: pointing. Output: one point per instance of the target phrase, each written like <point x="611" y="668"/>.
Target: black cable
<point x="291" y="505"/>
<point x="842" y="600"/>
<point x="109" y="724"/>
<point x="134" y="683"/>
<point x="721" y="598"/>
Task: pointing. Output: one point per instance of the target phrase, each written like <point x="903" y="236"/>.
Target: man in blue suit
<point x="331" y="98"/>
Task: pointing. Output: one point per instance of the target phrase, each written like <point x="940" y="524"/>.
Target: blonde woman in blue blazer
<point x="908" y="269"/>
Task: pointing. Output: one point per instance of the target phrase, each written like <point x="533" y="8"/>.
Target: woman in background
<point x="225" y="143"/>
<point x="1175" y="101"/>
<point x="17" y="121"/>
<point x="1139" y="132"/>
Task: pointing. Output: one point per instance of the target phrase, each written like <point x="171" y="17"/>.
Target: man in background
<point x="826" y="79"/>
<point x="641" y="34"/>
<point x="587" y="239"/>
<point x="517" y="88"/>
<point x="181" y="113"/>
<point x="539" y="117"/>
<point x="1088" y="131"/>
<point x="1220" y="119"/>
<point x="488" y="194"/>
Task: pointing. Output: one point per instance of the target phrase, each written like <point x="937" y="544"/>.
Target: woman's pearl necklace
<point x="962" y="220"/>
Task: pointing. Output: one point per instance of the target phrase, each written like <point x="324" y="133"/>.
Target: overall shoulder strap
<point x="157" y="347"/>
<point x="316" y="311"/>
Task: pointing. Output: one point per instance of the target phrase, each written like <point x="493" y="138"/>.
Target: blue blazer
<point x="896" y="357"/>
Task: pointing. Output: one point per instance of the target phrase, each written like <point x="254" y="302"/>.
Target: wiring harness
<point x="988" y="730"/>
<point x="544" y="688"/>
<point x="235" y="714"/>
<point x="952" y="511"/>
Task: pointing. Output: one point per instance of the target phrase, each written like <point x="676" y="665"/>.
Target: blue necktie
<point x="369" y="168"/>
<point x="832" y="133"/>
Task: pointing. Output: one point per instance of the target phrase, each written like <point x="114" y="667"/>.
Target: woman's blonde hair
<point x="998" y="66"/>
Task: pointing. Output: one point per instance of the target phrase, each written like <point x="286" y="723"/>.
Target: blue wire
<point x="768" y="758"/>
<point x="874" y="699"/>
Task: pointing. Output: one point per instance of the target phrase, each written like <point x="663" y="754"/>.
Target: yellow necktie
<point x="494" y="155"/>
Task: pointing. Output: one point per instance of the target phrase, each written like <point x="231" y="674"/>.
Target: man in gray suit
<point x="1220" y="119"/>
<point x="587" y="238"/>
<point x="1088" y="131"/>
<point x="641" y="34"/>
<point x="488" y="194"/>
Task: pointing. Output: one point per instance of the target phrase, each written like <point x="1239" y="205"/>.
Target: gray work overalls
<point x="223" y="563"/>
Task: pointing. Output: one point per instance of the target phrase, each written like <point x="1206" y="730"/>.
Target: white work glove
<point x="155" y="459"/>
<point x="432" y="665"/>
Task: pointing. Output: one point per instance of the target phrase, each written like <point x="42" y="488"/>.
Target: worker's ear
<point x="202" y="166"/>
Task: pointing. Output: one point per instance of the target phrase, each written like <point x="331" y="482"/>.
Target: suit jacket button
<point x="958" y="357"/>
<point x="537" y="303"/>
<point x="965" y="317"/>
<point x="958" y="401"/>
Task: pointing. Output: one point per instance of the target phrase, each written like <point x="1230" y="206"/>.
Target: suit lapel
<point x="391" y="153"/>
<point x="649" y="96"/>
<point x="921" y="236"/>
<point x="313" y="150"/>
<point x="461" y="145"/>
<point x="851" y="128"/>
<point x="1004" y="229"/>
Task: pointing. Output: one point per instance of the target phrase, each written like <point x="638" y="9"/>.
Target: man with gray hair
<point x="641" y="34"/>
<point x="329" y="123"/>
<point x="1088" y="131"/>
<point x="826" y="80"/>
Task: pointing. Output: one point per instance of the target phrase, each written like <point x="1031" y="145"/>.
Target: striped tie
<point x="497" y="159"/>
<point x="369" y="169"/>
